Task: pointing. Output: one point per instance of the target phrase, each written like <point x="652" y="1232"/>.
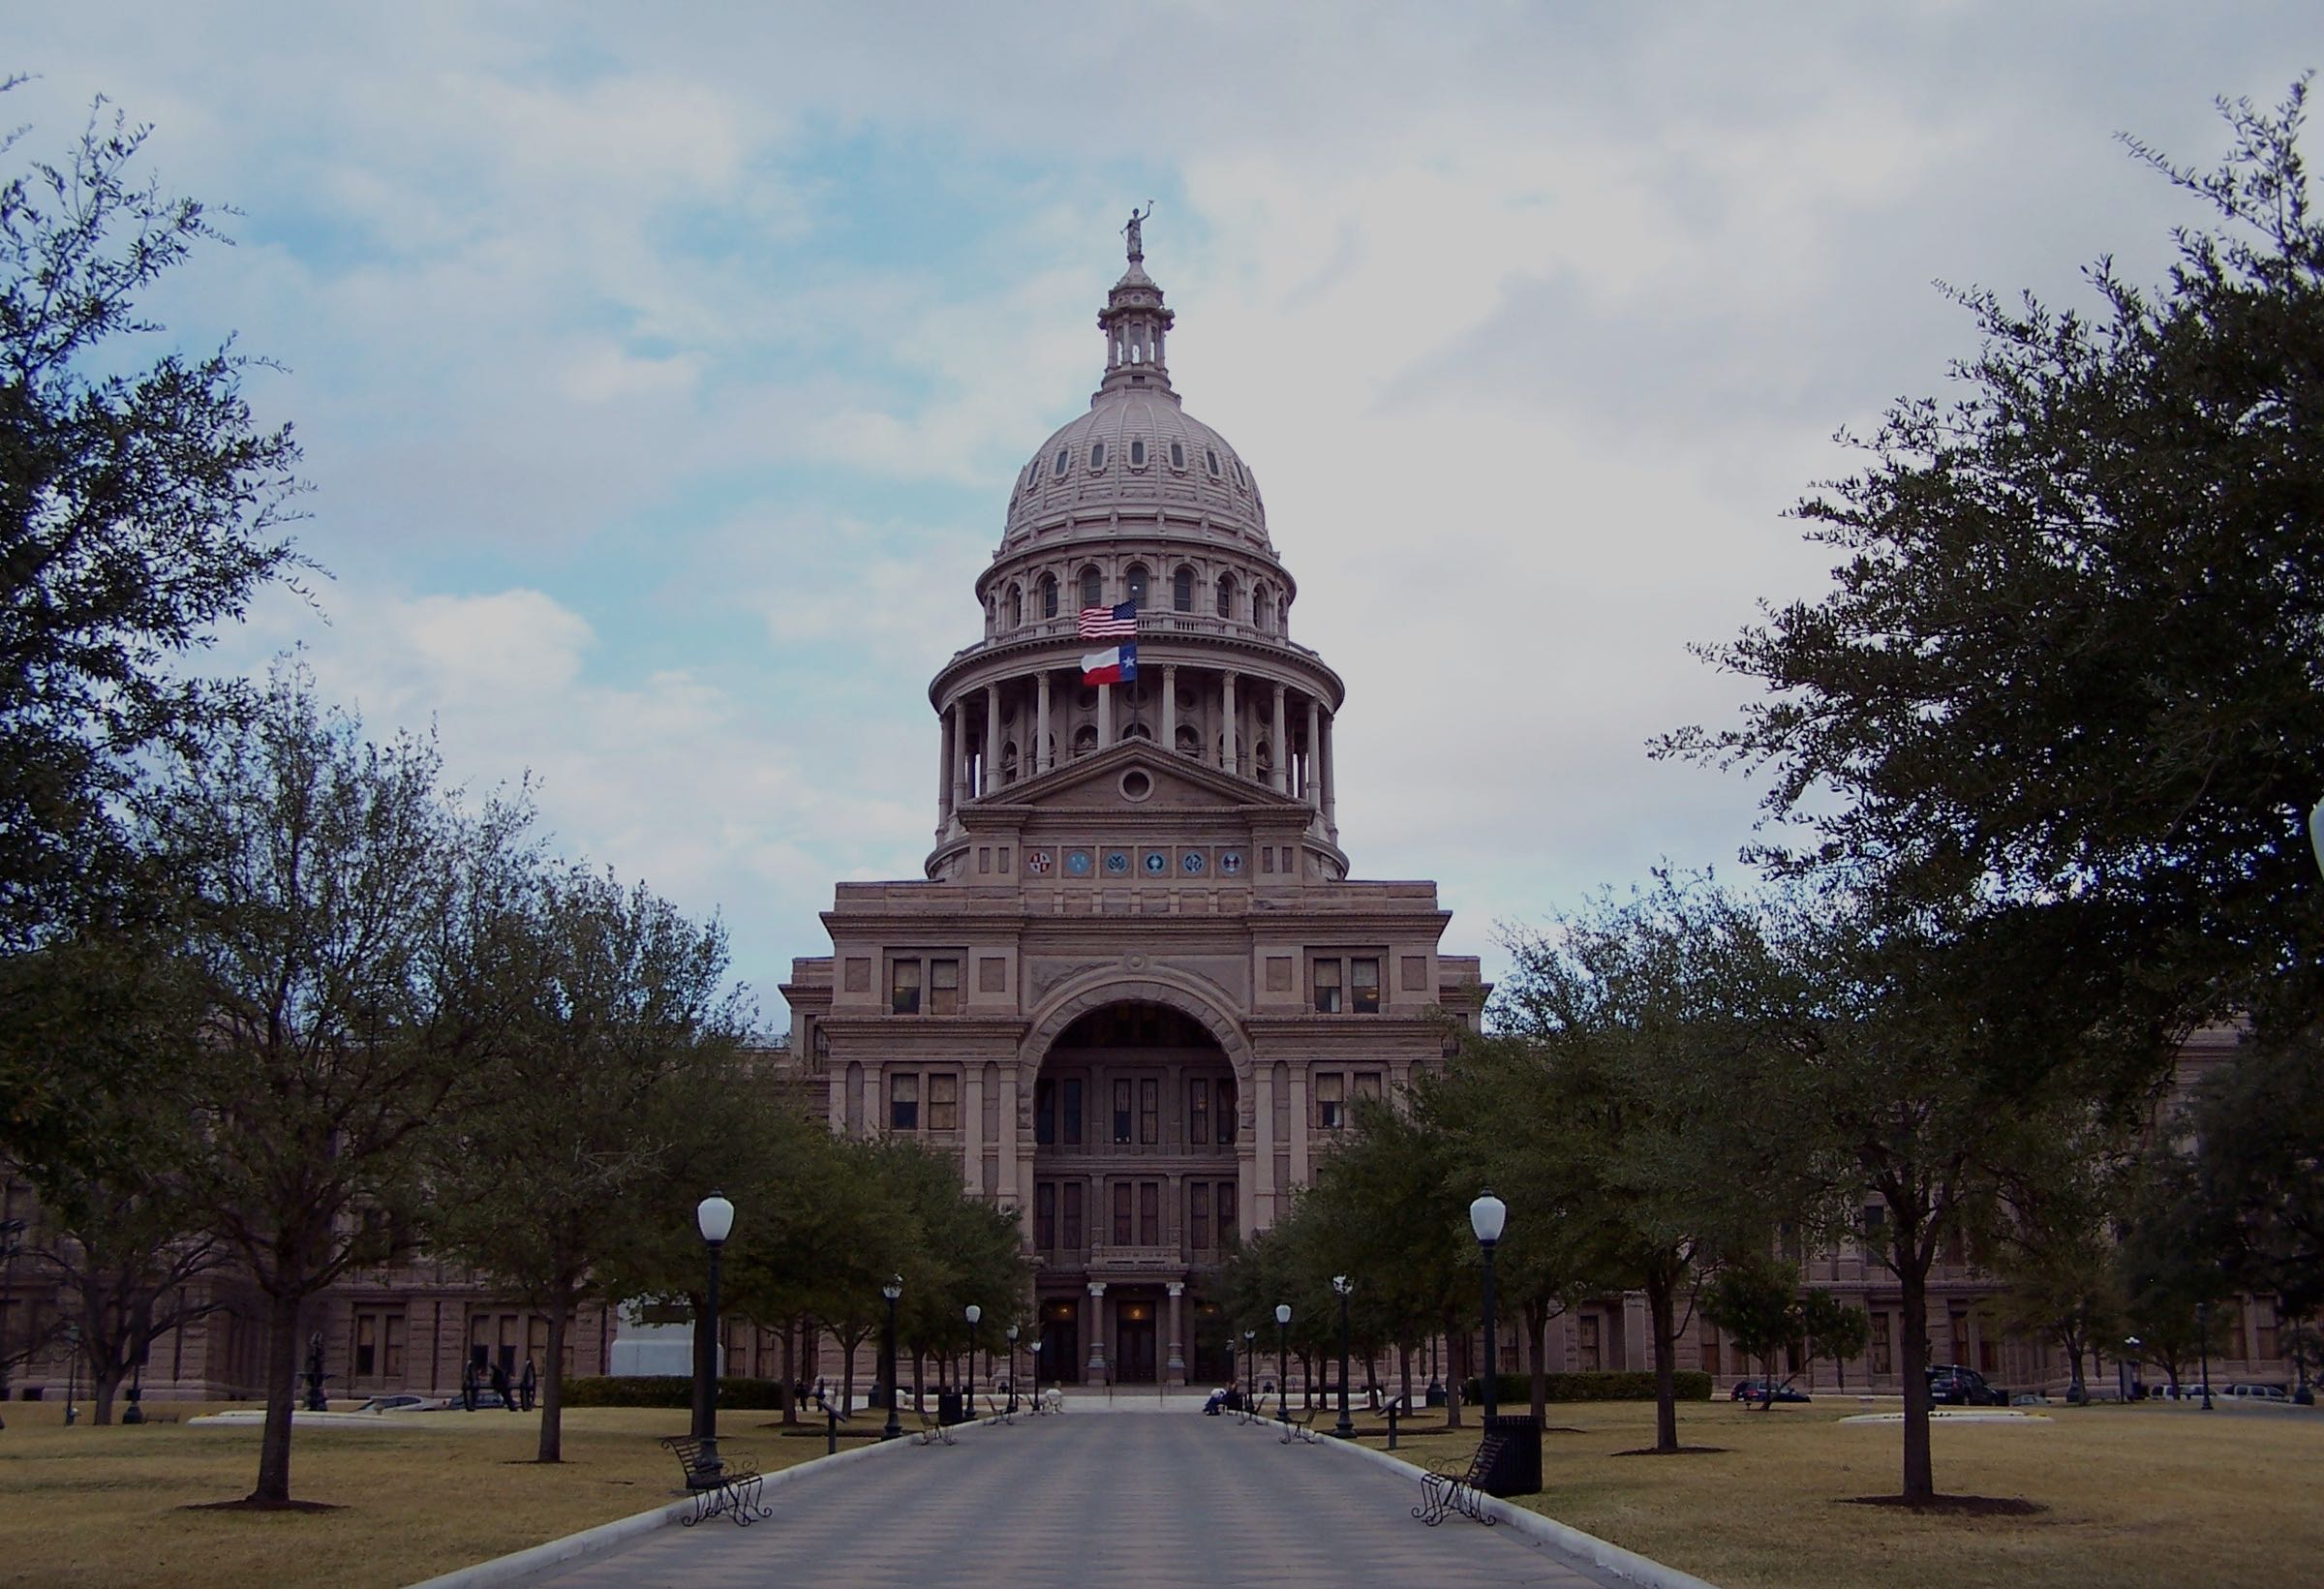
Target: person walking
<point x="468" y="1386"/>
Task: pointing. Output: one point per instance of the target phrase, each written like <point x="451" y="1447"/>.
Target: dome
<point x="1137" y="451"/>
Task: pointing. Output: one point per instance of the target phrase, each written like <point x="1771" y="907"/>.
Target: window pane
<point x="1049" y="597"/>
<point x="903" y="1101"/>
<point x="1331" y="1107"/>
<point x="1121" y="1112"/>
<point x="1181" y="590"/>
<point x="1197" y="1216"/>
<point x="1150" y="1213"/>
<point x="1093" y="588"/>
<point x="1149" y="1112"/>
<point x="1071" y="1108"/>
<point x="1045" y="1215"/>
<point x="391" y="1355"/>
<point x="1045" y="1113"/>
<point x="1073" y="1216"/>
<point x="1363" y="978"/>
<point x="1137" y="583"/>
<point x="943" y="1103"/>
<point x="1122" y="1213"/>
<point x="1326" y="987"/>
<point x="905" y="987"/>
<point x="1368" y="1083"/>
<point x="1226" y="1113"/>
<point x="944" y="987"/>
<point x="1227" y="1227"/>
<point x="1197" y="1114"/>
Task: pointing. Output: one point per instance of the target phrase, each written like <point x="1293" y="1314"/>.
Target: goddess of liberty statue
<point x="1135" y="230"/>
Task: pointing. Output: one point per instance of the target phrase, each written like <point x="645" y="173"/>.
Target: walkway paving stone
<point x="1091" y="1501"/>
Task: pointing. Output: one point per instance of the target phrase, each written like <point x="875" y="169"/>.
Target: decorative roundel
<point x="1117" y="862"/>
<point x="1156" y="861"/>
<point x="1036" y="862"/>
<point x="1192" y="861"/>
<point x="1076" y="862"/>
<point x="1230" y="861"/>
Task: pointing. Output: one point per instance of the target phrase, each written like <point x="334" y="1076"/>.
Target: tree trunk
<point x="848" y="1377"/>
<point x="282" y="1393"/>
<point x="788" y="1399"/>
<point x="1535" y="1313"/>
<point x="1913" y="1279"/>
<point x="2077" y="1391"/>
<point x="103" y="1383"/>
<point x="552" y="1383"/>
<point x="1661" y="1313"/>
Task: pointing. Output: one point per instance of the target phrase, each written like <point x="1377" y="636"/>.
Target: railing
<point x="1149" y="623"/>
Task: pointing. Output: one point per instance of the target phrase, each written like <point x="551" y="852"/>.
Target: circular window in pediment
<point x="1136" y="785"/>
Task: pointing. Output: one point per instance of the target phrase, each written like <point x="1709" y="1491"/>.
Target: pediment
<point x="1103" y="782"/>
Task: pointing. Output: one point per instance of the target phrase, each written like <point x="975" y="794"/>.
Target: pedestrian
<point x="468" y="1386"/>
<point x="530" y="1383"/>
<point x="500" y="1384"/>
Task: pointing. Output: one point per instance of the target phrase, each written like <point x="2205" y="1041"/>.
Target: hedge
<point x="669" y="1390"/>
<point x="1625" y="1385"/>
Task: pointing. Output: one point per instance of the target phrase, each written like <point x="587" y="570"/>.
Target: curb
<point x="1598" y="1552"/>
<point x="606" y="1537"/>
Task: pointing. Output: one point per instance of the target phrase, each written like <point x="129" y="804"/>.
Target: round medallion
<point x="1036" y="860"/>
<point x="1117" y="863"/>
<point x="1076" y="862"/>
<point x="1156" y="863"/>
<point x="1192" y="861"/>
<point x="1230" y="861"/>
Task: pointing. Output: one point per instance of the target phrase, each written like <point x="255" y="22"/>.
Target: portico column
<point x="1042" y="758"/>
<point x="1280" y="774"/>
<point x="944" y="772"/>
<point x="1170" y="710"/>
<point x="1176" y="1368"/>
<point x="959" y="740"/>
<point x="1104" y="716"/>
<point x="992" y="779"/>
<point x="1226" y="738"/>
<point x="1097" y="1330"/>
<point x="1331" y="807"/>
<point x="1315" y="756"/>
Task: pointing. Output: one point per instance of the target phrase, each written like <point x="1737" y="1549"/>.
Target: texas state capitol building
<point x="1137" y="988"/>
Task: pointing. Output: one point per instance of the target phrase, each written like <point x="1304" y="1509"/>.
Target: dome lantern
<point x="1135" y="321"/>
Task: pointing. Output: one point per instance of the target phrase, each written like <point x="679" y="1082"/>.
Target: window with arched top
<point x="1085" y="740"/>
<point x="1211" y="455"/>
<point x="1097" y="455"/>
<point x="1226" y="595"/>
<point x="1190" y="743"/>
<point x="1049" y="595"/>
<point x="1136" y="579"/>
<point x="1178" y="455"/>
<point x="1282" y="615"/>
<point x="1008" y="761"/>
<point x="1016" y="605"/>
<point x="1138" y="452"/>
<point x="1182" y="590"/>
<point x="1093" y="587"/>
<point x="1063" y="462"/>
<point x="1262" y="759"/>
<point x="1259" y="606"/>
<point x="1137" y="731"/>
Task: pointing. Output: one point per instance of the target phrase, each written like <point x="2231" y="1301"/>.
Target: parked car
<point x="1952" y="1385"/>
<point x="2244" y="1391"/>
<point x="395" y="1404"/>
<point x="1755" y="1390"/>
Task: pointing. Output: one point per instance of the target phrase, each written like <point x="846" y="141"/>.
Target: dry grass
<point x="2148" y="1497"/>
<point x="107" y="1508"/>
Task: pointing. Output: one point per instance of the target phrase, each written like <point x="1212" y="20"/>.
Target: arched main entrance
<point x="1137" y="1198"/>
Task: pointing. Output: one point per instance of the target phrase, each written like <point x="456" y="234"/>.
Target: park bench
<point x="1458" y="1487"/>
<point x="998" y="1411"/>
<point x="1300" y="1426"/>
<point x="731" y="1487"/>
<point x="1253" y="1410"/>
<point x="931" y="1429"/>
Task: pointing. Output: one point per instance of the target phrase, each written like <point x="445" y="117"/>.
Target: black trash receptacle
<point x="948" y="1411"/>
<point x="1519" y="1472"/>
<point x="1435" y="1396"/>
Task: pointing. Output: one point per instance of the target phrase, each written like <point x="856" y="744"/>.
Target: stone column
<point x="944" y="772"/>
<point x="1176" y="1371"/>
<point x="958" y="714"/>
<point x="991" y="782"/>
<point x="1280" y="776"/>
<point x="1331" y="807"/>
<point x="1096" y="1366"/>
<point x="1226" y="738"/>
<point x="1298" y="1124"/>
<point x="1005" y="1146"/>
<point x="1315" y="752"/>
<point x="972" y="1127"/>
<point x="1261" y="1199"/>
<point x="1104" y="716"/>
<point x="1170" y="709"/>
<point x="1042" y="758"/>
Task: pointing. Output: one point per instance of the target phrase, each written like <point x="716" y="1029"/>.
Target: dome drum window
<point x="1136" y="580"/>
<point x="1138" y="452"/>
<point x="1178" y="455"/>
<point x="1063" y="462"/>
<point x="1211" y="455"/>
<point x="1049" y="595"/>
<point x="1182" y="590"/>
<point x="1093" y="587"/>
<point x="1097" y="455"/>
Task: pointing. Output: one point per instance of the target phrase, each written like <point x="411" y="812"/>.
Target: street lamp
<point x="2203" y="1345"/>
<point x="1345" y="1428"/>
<point x="968" y="1366"/>
<point x="713" y="1216"/>
<point x="1035" y="1350"/>
<point x="1250" y="1382"/>
<point x="891" y="1291"/>
<point x="1486" y="1216"/>
<point x="2121" y="1368"/>
<point x="72" y="1374"/>
<point x="1011" y="1333"/>
<point x="1283" y="1361"/>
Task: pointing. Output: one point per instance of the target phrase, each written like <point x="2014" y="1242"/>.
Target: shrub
<point x="1623" y="1384"/>
<point x="668" y="1390"/>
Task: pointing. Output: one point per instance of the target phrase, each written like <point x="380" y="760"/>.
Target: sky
<point x="662" y="371"/>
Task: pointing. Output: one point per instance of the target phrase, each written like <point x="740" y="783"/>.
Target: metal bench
<point x="998" y="1411"/>
<point x="931" y="1429"/>
<point x="1457" y="1486"/>
<point x="1302" y="1426"/>
<point x="730" y="1484"/>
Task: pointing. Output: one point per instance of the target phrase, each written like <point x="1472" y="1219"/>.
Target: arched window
<point x="1049" y="595"/>
<point x="1282" y="615"/>
<point x="1262" y="759"/>
<point x="1211" y="454"/>
<point x="1016" y="605"/>
<point x="1008" y="761"/>
<point x="1137" y="731"/>
<point x="1085" y="740"/>
<point x="1093" y="587"/>
<point x="1190" y="743"/>
<point x="1136" y="580"/>
<point x="1182" y="590"/>
<point x="1097" y="455"/>
<point x="1178" y="455"/>
<point x="1138" y="452"/>
<point x="1226" y="595"/>
<point x="1259" y="605"/>
<point x="1064" y="461"/>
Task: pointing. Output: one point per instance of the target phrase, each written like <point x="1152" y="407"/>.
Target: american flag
<point x="1110" y="622"/>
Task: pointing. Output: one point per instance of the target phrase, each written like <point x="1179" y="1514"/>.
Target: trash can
<point x="948" y="1411"/>
<point x="1519" y="1471"/>
<point x="1435" y="1396"/>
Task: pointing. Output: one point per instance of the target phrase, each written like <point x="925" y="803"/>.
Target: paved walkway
<point x="1087" y="1501"/>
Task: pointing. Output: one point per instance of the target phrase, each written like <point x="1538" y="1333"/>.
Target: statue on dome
<point x="1136" y="232"/>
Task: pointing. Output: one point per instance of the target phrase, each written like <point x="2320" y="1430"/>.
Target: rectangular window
<point x="1880" y="1360"/>
<point x="1197" y="1114"/>
<point x="1709" y="1342"/>
<point x="943" y="1101"/>
<point x="1368" y="1083"/>
<point x="1363" y="985"/>
<point x="367" y="1335"/>
<point x="1226" y="1113"/>
<point x="903" y="1101"/>
<point x="1045" y="1215"/>
<point x="1330" y="1100"/>
<point x="944" y="987"/>
<point x="1586" y="1341"/>
<point x="1122" y="1213"/>
<point x="1149" y="1112"/>
<point x="1072" y="1216"/>
<point x="1121" y="1112"/>
<point x="1197" y="1216"/>
<point x="391" y="1346"/>
<point x="1228" y="1230"/>
<point x="1045" y="1113"/>
<point x="904" y="995"/>
<point x="1150" y="1213"/>
<point x="1326" y="987"/>
<point x="1070" y="1108"/>
<point x="2267" y="1338"/>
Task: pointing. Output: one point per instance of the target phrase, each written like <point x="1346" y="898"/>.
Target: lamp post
<point x="891" y="1291"/>
<point x="1250" y="1379"/>
<point x="2203" y="1345"/>
<point x="2122" y="1369"/>
<point x="714" y="1217"/>
<point x="1035" y="1349"/>
<point x="968" y="1366"/>
<point x="1486" y="1216"/>
<point x="72" y="1374"/>
<point x="1345" y="1428"/>
<point x="1011" y="1333"/>
<point x="1283" y="1361"/>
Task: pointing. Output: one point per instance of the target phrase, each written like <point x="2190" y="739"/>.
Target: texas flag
<point x="1113" y="666"/>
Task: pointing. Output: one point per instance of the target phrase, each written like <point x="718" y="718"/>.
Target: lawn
<point x="2142" y="1497"/>
<point x="87" y="1508"/>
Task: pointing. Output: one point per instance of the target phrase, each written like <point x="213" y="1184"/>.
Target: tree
<point x="1833" y="1330"/>
<point x="138" y="508"/>
<point x="623" y="1046"/>
<point x="2257" y="1165"/>
<point x="2071" y="653"/>
<point x="1758" y="1302"/>
<point x="350" y="937"/>
<point x="2054" y="1249"/>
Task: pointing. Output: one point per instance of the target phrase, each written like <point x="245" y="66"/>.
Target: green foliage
<point x="735" y="1395"/>
<point x="2258" y="1126"/>
<point x="1615" y="1385"/>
